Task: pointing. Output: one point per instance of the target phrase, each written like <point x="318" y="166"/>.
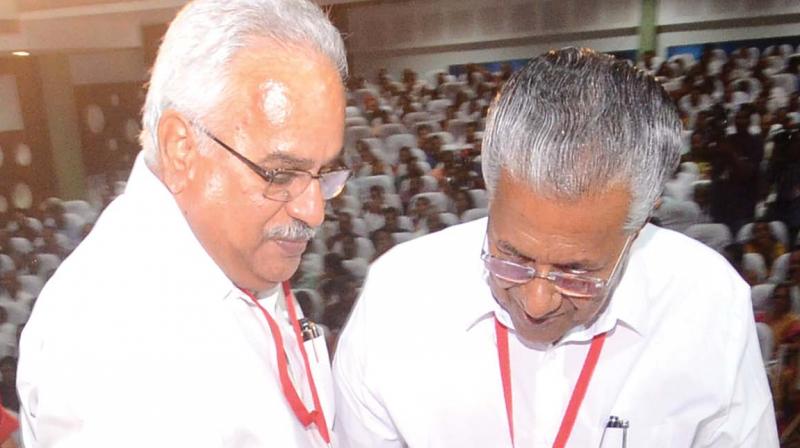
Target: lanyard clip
<point x="616" y="422"/>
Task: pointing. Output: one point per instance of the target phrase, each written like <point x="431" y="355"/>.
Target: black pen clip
<point x="616" y="422"/>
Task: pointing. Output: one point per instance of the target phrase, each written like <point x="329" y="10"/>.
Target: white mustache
<point x="297" y="230"/>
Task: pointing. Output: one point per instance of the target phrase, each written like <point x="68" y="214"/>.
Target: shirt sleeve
<point x="748" y="419"/>
<point x="77" y="393"/>
<point x="362" y="420"/>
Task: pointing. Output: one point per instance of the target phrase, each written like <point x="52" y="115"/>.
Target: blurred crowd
<point x="414" y="145"/>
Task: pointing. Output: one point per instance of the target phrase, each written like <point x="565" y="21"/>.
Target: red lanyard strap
<point x="505" y="373"/>
<point x="298" y="407"/>
<point x="578" y="394"/>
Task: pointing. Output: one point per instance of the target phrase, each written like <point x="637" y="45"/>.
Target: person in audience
<point x="446" y="165"/>
<point x="18" y="224"/>
<point x="434" y="223"/>
<point x="734" y="254"/>
<point x="763" y="242"/>
<point x="784" y="380"/>
<point x="369" y="164"/>
<point x="702" y="197"/>
<point x="382" y="241"/>
<point x="767" y="133"/>
<point x="794" y="101"/>
<point x="698" y="150"/>
<point x="484" y="111"/>
<point x="558" y="288"/>
<point x="647" y="63"/>
<point x="421" y="212"/>
<point x="433" y="150"/>
<point x="793" y="278"/>
<point x="6" y="327"/>
<point x="51" y="242"/>
<point x="345" y="229"/>
<point x="469" y="134"/>
<point x="735" y="177"/>
<point x="392" y="221"/>
<point x="411" y="186"/>
<point x="450" y="113"/>
<point x="373" y="112"/>
<point x="695" y="102"/>
<point x="404" y="161"/>
<point x="408" y="170"/>
<point x="15" y="301"/>
<point x="305" y="303"/>
<point x="335" y="206"/>
<point x="340" y="302"/>
<point x="423" y="131"/>
<point x="405" y="105"/>
<point x="332" y="269"/>
<point x="462" y="202"/>
<point x="372" y="210"/>
<point x="181" y="292"/>
<point x="8" y="383"/>
<point x="53" y="214"/>
<point x="376" y="201"/>
<point x="471" y="111"/>
<point x="780" y="317"/>
<point x="460" y="176"/>
<point x="783" y="174"/>
<point x="348" y="247"/>
<point x="412" y="86"/>
<point x="5" y="240"/>
<point x="440" y="79"/>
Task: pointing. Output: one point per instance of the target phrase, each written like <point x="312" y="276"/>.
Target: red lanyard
<point x="298" y="407"/>
<point x="577" y="394"/>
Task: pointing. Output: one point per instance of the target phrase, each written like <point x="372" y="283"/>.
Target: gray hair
<point x="575" y="122"/>
<point x="191" y="71"/>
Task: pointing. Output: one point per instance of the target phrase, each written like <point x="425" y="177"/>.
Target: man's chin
<point x="277" y="272"/>
<point x="539" y="334"/>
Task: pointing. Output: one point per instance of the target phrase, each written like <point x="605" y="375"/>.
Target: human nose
<point x="540" y="297"/>
<point x="308" y="206"/>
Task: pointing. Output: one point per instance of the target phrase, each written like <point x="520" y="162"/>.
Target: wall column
<point x="62" y="122"/>
<point x="647" y="27"/>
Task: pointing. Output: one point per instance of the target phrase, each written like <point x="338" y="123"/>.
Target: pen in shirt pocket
<point x="310" y="332"/>
<point x="615" y="433"/>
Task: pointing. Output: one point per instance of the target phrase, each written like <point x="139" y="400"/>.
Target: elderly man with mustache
<point x="170" y="325"/>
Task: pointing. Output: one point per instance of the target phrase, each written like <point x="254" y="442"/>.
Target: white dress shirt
<point x="140" y="340"/>
<point x="417" y="364"/>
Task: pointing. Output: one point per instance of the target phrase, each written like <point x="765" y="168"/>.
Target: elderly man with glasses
<point x="564" y="319"/>
<point x="172" y="324"/>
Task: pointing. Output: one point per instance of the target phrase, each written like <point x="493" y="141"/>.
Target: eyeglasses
<point x="510" y="274"/>
<point x="286" y="184"/>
